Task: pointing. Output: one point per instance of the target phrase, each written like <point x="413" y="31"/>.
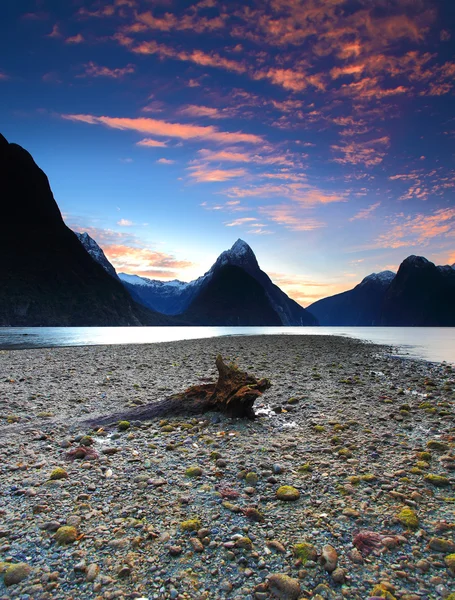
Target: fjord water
<point x="435" y="344"/>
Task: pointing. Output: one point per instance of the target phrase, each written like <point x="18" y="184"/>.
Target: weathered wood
<point x="233" y="394"/>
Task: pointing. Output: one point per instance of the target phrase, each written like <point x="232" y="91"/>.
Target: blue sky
<point x="319" y="131"/>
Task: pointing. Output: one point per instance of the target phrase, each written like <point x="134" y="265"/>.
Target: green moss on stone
<point x="437" y="480"/>
<point x="193" y="472"/>
<point x="287" y="493"/>
<point x="408" y="518"/>
<point x="191" y="525"/>
<point x="58" y="473"/>
<point x="123" y="425"/>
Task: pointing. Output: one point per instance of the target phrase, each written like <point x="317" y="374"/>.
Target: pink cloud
<point x="366" y="213"/>
<point x="75" y="39"/>
<point x="369" y="153"/>
<point x="125" y="223"/>
<point x="165" y="161"/>
<point x="166" y="129"/>
<point x="418" y="229"/>
<point x="204" y="174"/>
<point x="150" y="143"/>
<point x="287" y="216"/>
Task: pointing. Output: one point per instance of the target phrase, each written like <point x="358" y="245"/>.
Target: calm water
<point x="430" y="343"/>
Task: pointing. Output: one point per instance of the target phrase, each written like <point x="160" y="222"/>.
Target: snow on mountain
<point x="96" y="253"/>
<point x="383" y="277"/>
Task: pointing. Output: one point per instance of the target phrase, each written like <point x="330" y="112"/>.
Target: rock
<point x="305" y="552"/>
<point x="276" y="545"/>
<point x="16" y="573"/>
<point x="175" y="550"/>
<point x="65" y="535"/>
<point x="197" y="544"/>
<point x="284" y="587"/>
<point x="92" y="572"/>
<point x="58" y="473"/>
<point x="408" y="518"/>
<point x="191" y="525"/>
<point x="339" y="575"/>
<point x="441" y="545"/>
<point x="287" y="493"/>
<point x="123" y="425"/>
<point x="329" y="558"/>
<point x="193" y="472"/>
<point x="86" y="440"/>
<point x="244" y="542"/>
<point x="251" y="478"/>
<point x="437" y="480"/>
<point x="437" y="445"/>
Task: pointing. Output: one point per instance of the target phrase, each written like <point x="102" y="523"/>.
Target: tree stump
<point x="233" y="394"/>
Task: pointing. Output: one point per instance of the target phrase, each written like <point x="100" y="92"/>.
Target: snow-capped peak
<point x="240" y="248"/>
<point x="384" y="277"/>
<point x="417" y="261"/>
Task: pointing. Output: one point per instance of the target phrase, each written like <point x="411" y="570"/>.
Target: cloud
<point x="240" y="222"/>
<point x="306" y="291"/>
<point x="166" y="129"/>
<point x="194" y="110"/>
<point x="75" y="39"/>
<point x="365" y="213"/>
<point x="197" y="57"/>
<point x="125" y="223"/>
<point x="301" y="193"/>
<point x="150" y="143"/>
<point x="288" y="217"/>
<point x="3" y="76"/>
<point x="55" y="33"/>
<point x="165" y="161"/>
<point x="94" y="70"/>
<point x="369" y="153"/>
<point x="204" y="174"/>
<point x="418" y="229"/>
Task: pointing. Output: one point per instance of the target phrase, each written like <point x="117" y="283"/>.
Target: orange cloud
<point x="205" y="111"/>
<point x="369" y="153"/>
<point x="150" y="143"/>
<point x="418" y="229"/>
<point x="75" y="39"/>
<point x="306" y="291"/>
<point x="195" y="56"/>
<point x="301" y="193"/>
<point x="166" y="129"/>
<point x="204" y="174"/>
<point x="365" y="213"/>
<point x="94" y="70"/>
<point x="286" y="216"/>
<point x="142" y="261"/>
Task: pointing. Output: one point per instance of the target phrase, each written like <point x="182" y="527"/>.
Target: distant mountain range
<point x="176" y="297"/>
<point x="54" y="277"/>
<point x="421" y="294"/>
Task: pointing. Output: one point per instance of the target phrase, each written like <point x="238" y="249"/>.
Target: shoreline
<point x="355" y="420"/>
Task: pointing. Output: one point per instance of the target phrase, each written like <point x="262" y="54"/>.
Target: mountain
<point x="175" y="297"/>
<point x="360" y="306"/>
<point x="231" y="297"/>
<point x="96" y="253"/>
<point x="421" y="294"/>
<point x="48" y="278"/>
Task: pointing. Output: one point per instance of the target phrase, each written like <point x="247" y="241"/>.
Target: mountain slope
<point x="96" y="253"/>
<point x="420" y="295"/>
<point x="360" y="306"/>
<point x="175" y="297"/>
<point x="231" y="298"/>
<point x="48" y="278"/>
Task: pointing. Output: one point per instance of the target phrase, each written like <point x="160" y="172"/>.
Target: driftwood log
<point x="233" y="394"/>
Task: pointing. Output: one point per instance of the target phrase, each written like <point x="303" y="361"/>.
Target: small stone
<point x="226" y="586"/>
<point x="251" y="478"/>
<point x="197" y="544"/>
<point x="284" y="587"/>
<point x="441" y="545"/>
<point x="191" y="525"/>
<point x="437" y="480"/>
<point x="193" y="472"/>
<point x="57" y="474"/>
<point x="92" y="572"/>
<point x="175" y="550"/>
<point x="65" y="535"/>
<point x="339" y="575"/>
<point x="408" y="518"/>
<point x="244" y="542"/>
<point x="287" y="493"/>
<point x="86" y="440"/>
<point x="437" y="445"/>
<point x="305" y="552"/>
<point x="329" y="558"/>
<point x="16" y="573"/>
<point x="123" y="425"/>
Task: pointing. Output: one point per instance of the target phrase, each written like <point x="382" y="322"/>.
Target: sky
<point x="321" y="132"/>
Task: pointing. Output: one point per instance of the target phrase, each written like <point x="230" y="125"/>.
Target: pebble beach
<point x="342" y="487"/>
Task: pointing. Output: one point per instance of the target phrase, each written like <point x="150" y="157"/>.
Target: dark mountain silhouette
<point x="47" y="276"/>
<point x="231" y="297"/>
<point x="174" y="297"/>
<point x="360" y="306"/>
<point x="421" y="294"/>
